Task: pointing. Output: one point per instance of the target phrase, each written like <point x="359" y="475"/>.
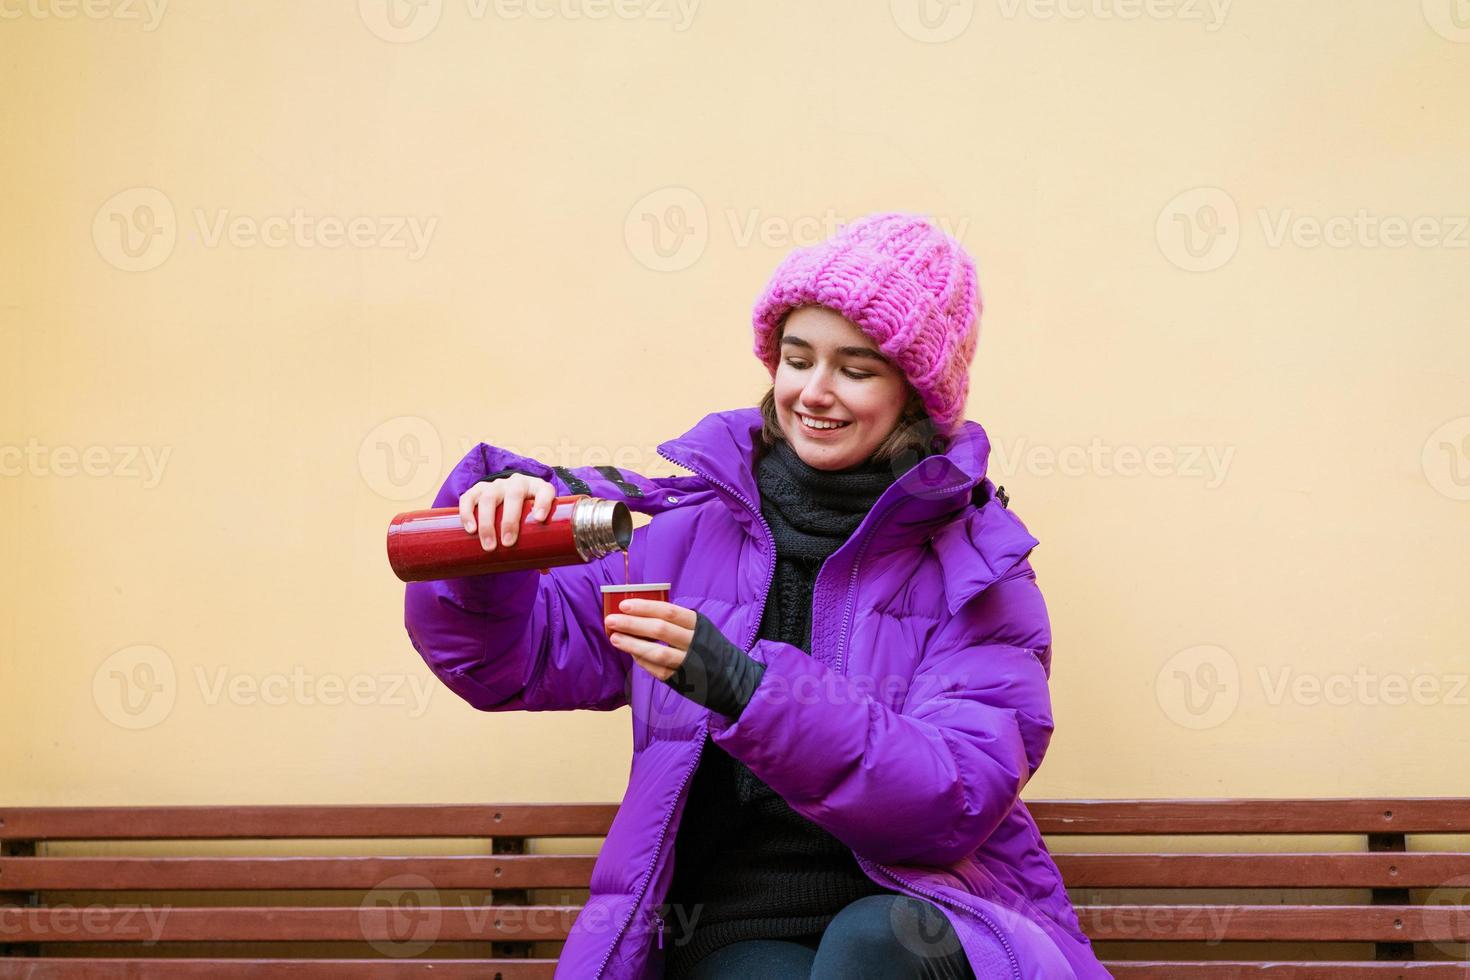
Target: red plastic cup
<point x="614" y="594"/>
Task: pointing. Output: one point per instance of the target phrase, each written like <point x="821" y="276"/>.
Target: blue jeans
<point x="892" y="937"/>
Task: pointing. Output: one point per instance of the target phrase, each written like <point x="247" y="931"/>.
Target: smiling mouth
<point x="820" y="425"/>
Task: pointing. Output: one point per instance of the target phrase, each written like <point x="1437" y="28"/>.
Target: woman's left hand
<point x="642" y="622"/>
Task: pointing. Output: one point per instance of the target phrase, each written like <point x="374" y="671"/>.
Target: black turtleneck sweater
<point x="746" y="865"/>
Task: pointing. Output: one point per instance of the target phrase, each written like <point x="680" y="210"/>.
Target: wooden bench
<point x="1379" y="910"/>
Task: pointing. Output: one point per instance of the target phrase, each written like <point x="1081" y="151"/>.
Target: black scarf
<point x="811" y="513"/>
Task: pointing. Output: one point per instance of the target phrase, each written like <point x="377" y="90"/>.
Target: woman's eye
<point x="855" y="375"/>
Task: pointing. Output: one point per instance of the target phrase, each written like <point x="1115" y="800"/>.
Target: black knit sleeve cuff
<point x="716" y="673"/>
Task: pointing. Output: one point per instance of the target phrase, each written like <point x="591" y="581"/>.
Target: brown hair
<point x="913" y="438"/>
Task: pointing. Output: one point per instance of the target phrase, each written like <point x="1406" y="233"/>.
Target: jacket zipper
<point x="841" y="658"/>
<point x="703" y="726"/>
<point x="936" y="897"/>
<point x="841" y="669"/>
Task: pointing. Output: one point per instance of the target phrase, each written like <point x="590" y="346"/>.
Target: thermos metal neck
<point x="600" y="527"/>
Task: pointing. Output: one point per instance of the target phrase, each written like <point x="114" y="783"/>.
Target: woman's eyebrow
<point x="861" y="352"/>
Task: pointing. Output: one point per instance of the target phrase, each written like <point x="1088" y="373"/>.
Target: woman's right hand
<point x="477" y="506"/>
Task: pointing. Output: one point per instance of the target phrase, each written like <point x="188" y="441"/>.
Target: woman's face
<point x="830" y="371"/>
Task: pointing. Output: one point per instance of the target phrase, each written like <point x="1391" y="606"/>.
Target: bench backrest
<point x="1372" y="904"/>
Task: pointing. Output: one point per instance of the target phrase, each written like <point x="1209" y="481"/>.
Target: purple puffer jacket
<point x="907" y="734"/>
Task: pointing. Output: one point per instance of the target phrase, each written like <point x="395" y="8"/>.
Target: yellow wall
<point x="250" y="416"/>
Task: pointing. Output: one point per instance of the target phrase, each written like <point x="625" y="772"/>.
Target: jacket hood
<point x="945" y="499"/>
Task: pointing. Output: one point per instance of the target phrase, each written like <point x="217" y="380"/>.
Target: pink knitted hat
<point x="907" y="285"/>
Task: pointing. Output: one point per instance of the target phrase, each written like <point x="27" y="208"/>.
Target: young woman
<point x="835" y="713"/>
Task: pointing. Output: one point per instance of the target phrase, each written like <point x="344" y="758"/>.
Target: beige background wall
<point x="1245" y="449"/>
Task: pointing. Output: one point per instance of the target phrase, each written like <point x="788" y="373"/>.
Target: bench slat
<point x="1276" y="923"/>
<point x="289" y="873"/>
<point x="1415" y="815"/>
<point x="288" y="821"/>
<point x="1153" y="817"/>
<point x="526" y="923"/>
<point x="163" y="923"/>
<point x="1423" y="869"/>
<point x="1159" y="870"/>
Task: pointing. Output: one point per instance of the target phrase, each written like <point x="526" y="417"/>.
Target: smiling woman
<point x="836" y="712"/>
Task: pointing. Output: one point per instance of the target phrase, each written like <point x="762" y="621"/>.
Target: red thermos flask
<point x="433" y="544"/>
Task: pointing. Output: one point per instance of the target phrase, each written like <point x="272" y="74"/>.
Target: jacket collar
<point x="930" y="501"/>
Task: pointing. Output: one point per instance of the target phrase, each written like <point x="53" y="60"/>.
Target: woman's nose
<point x="818" y="390"/>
